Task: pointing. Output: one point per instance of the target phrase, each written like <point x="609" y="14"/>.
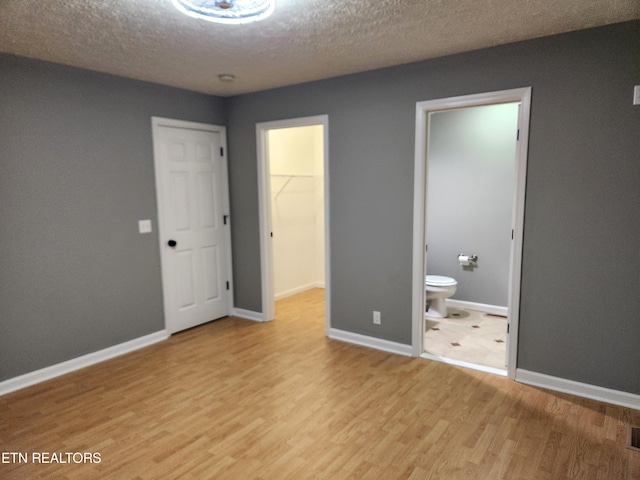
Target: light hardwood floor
<point x="235" y="399"/>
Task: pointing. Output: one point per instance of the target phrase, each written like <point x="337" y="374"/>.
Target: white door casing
<point x="193" y="211"/>
<point x="523" y="96"/>
<point x="264" y="194"/>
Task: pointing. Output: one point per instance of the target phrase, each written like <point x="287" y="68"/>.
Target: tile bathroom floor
<point x="469" y="336"/>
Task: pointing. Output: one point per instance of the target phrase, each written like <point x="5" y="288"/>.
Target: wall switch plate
<point x="636" y="95"/>
<point x="376" y="318"/>
<point x="144" y="226"/>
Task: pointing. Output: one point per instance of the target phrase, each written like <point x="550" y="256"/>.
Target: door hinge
<point x="227" y="285"/>
<point x="271" y="234"/>
<point x="518" y="135"/>
<point x="224" y="218"/>
<point x="512" y="234"/>
<point x="221" y="152"/>
<point x="508" y="325"/>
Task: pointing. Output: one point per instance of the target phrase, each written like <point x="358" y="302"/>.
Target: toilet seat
<point x="439" y="281"/>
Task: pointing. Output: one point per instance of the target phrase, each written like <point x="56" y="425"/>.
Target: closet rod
<point x="292" y="176"/>
<point x="289" y="177"/>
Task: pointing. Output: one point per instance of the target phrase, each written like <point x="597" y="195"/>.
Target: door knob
<point x="172" y="243"/>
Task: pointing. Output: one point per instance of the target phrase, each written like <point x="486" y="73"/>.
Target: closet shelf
<point x="289" y="178"/>
<point x="293" y="175"/>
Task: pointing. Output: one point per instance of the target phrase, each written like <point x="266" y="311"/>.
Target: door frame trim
<point x="156" y="123"/>
<point x="423" y="109"/>
<point x="264" y="198"/>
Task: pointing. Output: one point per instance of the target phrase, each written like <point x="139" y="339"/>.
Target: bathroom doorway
<point x="469" y="200"/>
<point x="293" y="172"/>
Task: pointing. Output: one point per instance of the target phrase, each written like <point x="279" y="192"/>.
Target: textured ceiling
<point x="303" y="40"/>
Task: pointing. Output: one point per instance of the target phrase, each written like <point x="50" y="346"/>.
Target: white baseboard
<point x="585" y="390"/>
<point x="296" y="290"/>
<point x="247" y="314"/>
<point x="47" y="373"/>
<point x="480" y="307"/>
<point x="371" y="342"/>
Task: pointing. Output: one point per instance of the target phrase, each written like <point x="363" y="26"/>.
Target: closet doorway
<point x="294" y="206"/>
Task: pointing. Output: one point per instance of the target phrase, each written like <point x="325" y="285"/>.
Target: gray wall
<point x="580" y="281"/>
<point x="470" y="186"/>
<point x="76" y="175"/>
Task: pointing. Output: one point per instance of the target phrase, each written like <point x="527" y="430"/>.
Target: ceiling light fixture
<point x="227" y="11"/>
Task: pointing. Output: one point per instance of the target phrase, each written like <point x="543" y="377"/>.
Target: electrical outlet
<point x="376" y="318"/>
<point x="144" y="226"/>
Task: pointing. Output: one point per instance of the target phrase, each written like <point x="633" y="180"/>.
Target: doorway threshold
<point x="460" y="363"/>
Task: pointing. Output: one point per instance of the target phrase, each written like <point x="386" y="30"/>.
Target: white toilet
<point x="438" y="288"/>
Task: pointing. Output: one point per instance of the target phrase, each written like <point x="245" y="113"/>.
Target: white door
<point x="191" y="183"/>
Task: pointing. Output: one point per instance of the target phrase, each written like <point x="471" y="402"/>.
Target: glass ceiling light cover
<point x="227" y="11"/>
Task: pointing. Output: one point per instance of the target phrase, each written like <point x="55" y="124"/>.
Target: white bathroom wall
<point x="297" y="207"/>
<point x="471" y="181"/>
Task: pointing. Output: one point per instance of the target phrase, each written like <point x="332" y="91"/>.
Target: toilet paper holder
<point x="470" y="258"/>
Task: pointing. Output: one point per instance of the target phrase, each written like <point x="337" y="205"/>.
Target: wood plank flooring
<point x="235" y="399"/>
